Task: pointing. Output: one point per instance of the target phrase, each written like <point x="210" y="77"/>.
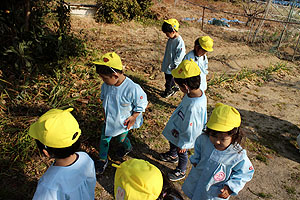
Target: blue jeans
<point x="183" y="157"/>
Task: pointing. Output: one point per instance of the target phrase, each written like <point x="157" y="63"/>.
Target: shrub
<point x="35" y="37"/>
<point x="115" y="11"/>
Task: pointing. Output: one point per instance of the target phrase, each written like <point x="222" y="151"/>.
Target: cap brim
<point x="219" y="127"/>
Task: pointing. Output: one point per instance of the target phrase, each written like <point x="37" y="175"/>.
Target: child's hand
<point x="225" y="192"/>
<point x="129" y="122"/>
<point x="181" y="150"/>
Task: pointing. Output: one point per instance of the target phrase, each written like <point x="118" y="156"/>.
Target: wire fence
<point x="271" y="23"/>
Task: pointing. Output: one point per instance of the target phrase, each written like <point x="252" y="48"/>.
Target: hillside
<point x="264" y="88"/>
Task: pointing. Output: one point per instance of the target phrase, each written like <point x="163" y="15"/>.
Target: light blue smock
<point x="174" y="53"/>
<point x="215" y="169"/>
<point x="188" y="120"/>
<point x="119" y="103"/>
<point x="202" y="62"/>
<point x="76" y="182"/>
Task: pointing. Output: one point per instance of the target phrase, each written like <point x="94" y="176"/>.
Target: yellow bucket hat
<point x="137" y="179"/>
<point x="173" y="22"/>
<point x="56" y="128"/>
<point x="206" y="43"/>
<point x="224" y="118"/>
<point x="110" y="59"/>
<point x="186" y="69"/>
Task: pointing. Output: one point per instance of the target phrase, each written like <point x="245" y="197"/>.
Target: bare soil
<point x="270" y="110"/>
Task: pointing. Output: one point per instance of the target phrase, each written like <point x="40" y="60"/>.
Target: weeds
<point x="290" y="189"/>
<point x="264" y="195"/>
<point x="246" y="74"/>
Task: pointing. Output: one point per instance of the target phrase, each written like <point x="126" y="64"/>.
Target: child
<point x="202" y="45"/>
<point x="188" y="120"/>
<point x="137" y="179"/>
<point x="174" y="53"/>
<point x="123" y="103"/>
<point x="72" y="175"/>
<point x="220" y="165"/>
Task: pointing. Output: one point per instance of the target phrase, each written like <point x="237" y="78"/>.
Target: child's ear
<point x="115" y="75"/>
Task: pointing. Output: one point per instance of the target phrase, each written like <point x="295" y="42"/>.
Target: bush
<point x="35" y="37"/>
<point x="115" y="11"/>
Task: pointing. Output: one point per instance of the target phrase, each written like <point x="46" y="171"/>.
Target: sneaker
<point x="176" y="175"/>
<point x="168" y="158"/>
<point x="100" y="166"/>
<point x="123" y="152"/>
<point x="168" y="93"/>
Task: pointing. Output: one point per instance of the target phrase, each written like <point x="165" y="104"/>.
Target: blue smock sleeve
<point x="179" y="55"/>
<point x="196" y="157"/>
<point x="241" y="174"/>
<point x="140" y="100"/>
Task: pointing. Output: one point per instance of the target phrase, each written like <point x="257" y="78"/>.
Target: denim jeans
<point x="169" y="82"/>
<point x="183" y="157"/>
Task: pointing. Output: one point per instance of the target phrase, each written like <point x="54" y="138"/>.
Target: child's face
<point x="220" y="140"/>
<point x="171" y="34"/>
<point x="109" y="79"/>
<point x="199" y="51"/>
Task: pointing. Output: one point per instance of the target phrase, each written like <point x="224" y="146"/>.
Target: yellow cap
<point x="137" y="179"/>
<point x="206" y="43"/>
<point x="224" y="118"/>
<point x="110" y="59"/>
<point x="186" y="69"/>
<point x="173" y="22"/>
<point x="56" y="128"/>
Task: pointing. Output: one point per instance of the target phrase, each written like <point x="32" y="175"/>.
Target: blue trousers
<point x="183" y="157"/>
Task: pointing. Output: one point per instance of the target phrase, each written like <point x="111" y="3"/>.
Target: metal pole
<point x="296" y="48"/>
<point x="262" y="21"/>
<point x="203" y="18"/>
<point x="288" y="19"/>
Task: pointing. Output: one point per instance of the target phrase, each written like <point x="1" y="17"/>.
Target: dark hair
<point x="59" y="152"/>
<point x="169" y="192"/>
<point x="167" y="28"/>
<point x="193" y="82"/>
<point x="103" y="69"/>
<point x="237" y="134"/>
<point x="198" y="44"/>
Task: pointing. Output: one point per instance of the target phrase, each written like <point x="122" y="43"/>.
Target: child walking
<point x="220" y="165"/>
<point x="202" y="45"/>
<point x="174" y="53"/>
<point x="72" y="175"/>
<point x="123" y="103"/>
<point x="187" y="121"/>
